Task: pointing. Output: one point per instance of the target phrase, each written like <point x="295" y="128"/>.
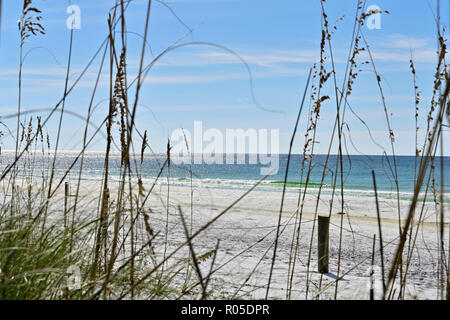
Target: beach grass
<point x="66" y="245"/>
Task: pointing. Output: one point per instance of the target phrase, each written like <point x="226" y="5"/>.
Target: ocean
<point x="357" y="176"/>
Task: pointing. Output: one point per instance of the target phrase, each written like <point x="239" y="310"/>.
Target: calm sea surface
<point x="357" y="175"/>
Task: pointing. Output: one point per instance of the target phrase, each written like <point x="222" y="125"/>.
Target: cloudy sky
<point x="208" y="80"/>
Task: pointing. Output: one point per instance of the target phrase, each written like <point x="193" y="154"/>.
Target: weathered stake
<point x="322" y="244"/>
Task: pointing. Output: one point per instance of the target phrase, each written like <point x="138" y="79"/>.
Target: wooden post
<point x="322" y="244"/>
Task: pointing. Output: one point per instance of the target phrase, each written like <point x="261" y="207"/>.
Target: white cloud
<point x="400" y="41"/>
<point x="263" y="58"/>
<point x="200" y="108"/>
<point x="399" y="47"/>
<point x="425" y="56"/>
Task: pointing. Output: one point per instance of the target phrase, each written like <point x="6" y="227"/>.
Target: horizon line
<point x="224" y="154"/>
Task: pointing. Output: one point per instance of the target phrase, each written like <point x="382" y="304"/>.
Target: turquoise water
<point x="356" y="174"/>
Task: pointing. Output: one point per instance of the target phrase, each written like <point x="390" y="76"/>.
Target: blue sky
<point x="279" y="40"/>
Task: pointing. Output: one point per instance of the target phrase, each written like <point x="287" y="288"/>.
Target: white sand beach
<point x="247" y="233"/>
